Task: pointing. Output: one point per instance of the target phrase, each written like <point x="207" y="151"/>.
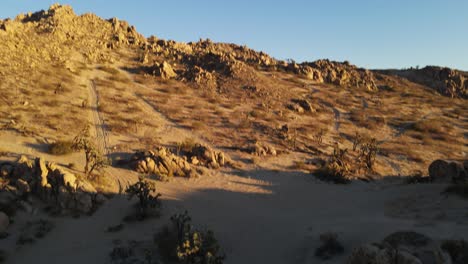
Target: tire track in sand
<point x="98" y="127"/>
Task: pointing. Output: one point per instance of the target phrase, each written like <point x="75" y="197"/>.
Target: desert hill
<point x="249" y="144"/>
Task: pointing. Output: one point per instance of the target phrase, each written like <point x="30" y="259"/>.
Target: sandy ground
<point x="264" y="213"/>
<point x="260" y="215"/>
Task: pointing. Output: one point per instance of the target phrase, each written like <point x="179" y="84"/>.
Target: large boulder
<point x="41" y="172"/>
<point x="447" y="171"/>
<point x="164" y="70"/>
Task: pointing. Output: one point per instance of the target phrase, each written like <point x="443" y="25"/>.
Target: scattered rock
<point x="260" y="149"/>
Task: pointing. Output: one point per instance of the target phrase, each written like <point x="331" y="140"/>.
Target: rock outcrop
<point x="162" y="163"/>
<point x="446" y="81"/>
<point x="164" y="70"/>
<point x="401" y="247"/>
<point x="337" y="73"/>
<point x="51" y="183"/>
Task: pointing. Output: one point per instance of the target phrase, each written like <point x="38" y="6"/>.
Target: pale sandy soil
<point x="260" y="215"/>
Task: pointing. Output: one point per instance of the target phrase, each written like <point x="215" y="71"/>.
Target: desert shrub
<point x="61" y="148"/>
<point x="358" y="139"/>
<point x="93" y="157"/>
<point x="197" y="125"/>
<point x="186" y="146"/>
<point x="429" y="126"/>
<point x="143" y="190"/>
<point x="318" y="137"/>
<point x="368" y="153"/>
<point x="182" y="243"/>
<point x="337" y="169"/>
<point x="330" y="246"/>
<point x="457" y="249"/>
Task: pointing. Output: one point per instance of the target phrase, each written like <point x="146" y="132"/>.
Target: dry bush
<point x="197" y="125"/>
<point x="61" y="148"/>
<point x="337" y="169"/>
<point x="186" y="146"/>
<point x="429" y="126"/>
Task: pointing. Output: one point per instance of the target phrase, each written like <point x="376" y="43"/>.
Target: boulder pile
<point x="163" y="163"/>
<point x="261" y="149"/>
<point x="164" y="70"/>
<point x="446" y="81"/>
<point x="51" y="183"/>
<point x="337" y="73"/>
<point x="401" y="247"/>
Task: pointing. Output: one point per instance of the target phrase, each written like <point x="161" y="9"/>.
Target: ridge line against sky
<point x="369" y="33"/>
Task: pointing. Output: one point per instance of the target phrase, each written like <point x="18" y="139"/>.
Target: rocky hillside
<point x="446" y="81"/>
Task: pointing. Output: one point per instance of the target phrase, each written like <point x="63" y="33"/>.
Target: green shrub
<point x="182" y="243"/>
<point x="61" y="148"/>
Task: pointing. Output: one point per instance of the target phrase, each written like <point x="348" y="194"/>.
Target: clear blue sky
<point x="369" y="33"/>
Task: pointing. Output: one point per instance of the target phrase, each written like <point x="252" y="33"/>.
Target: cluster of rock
<point x="301" y="106"/>
<point x="403" y="247"/>
<point x="261" y="149"/>
<point x="337" y="73"/>
<point x="446" y="81"/>
<point x="51" y="183"/>
<point x="58" y="36"/>
<point x="448" y="171"/>
<point x="163" y="70"/>
<point x="163" y="163"/>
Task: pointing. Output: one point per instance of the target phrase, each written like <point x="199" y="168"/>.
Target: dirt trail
<point x="98" y="126"/>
